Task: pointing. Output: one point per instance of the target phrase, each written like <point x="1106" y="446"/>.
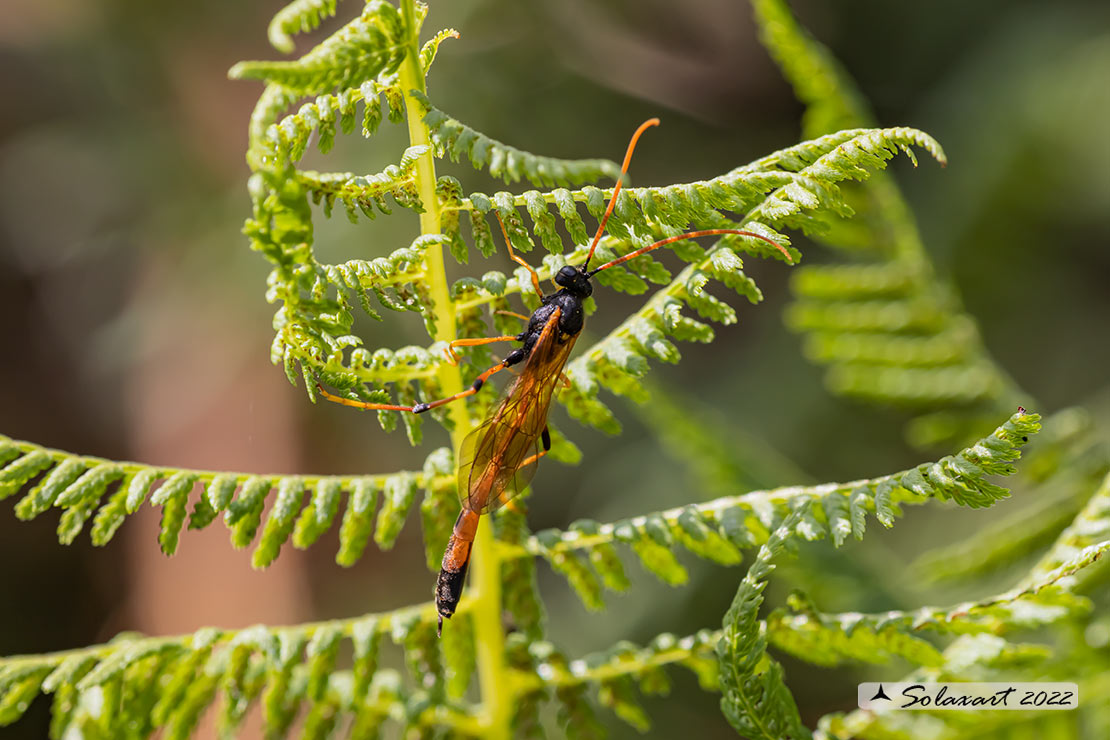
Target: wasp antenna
<point x="691" y="235"/>
<point x="617" y="188"/>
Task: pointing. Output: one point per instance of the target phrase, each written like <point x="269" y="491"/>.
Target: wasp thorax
<point x="574" y="280"/>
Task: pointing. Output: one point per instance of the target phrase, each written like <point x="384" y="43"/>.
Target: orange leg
<point x="478" y="383"/>
<point x="507" y="498"/>
<point x="513" y="357"/>
<point x="360" y="404"/>
<point x="531" y="459"/>
<point x="453" y="357"/>
<point x="520" y="316"/>
<point x="518" y="260"/>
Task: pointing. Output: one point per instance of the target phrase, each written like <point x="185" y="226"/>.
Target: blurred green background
<point x="134" y="324"/>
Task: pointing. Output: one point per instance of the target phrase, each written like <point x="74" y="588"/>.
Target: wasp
<point x="498" y="458"/>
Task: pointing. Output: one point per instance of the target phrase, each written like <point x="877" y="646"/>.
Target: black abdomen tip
<point x="449" y="586"/>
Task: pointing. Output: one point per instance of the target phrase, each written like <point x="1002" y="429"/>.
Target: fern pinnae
<point x="299" y="16"/>
<point x="829" y="639"/>
<point x="361" y="50"/>
<point x="285" y="142"/>
<point x="277" y="665"/>
<point x="940" y="364"/>
<point x="715" y="529"/>
<point x="455" y="139"/>
<point x="366" y="192"/>
<point x="614" y="673"/>
<point x="1069" y="465"/>
<point x="1089" y="529"/>
<point x="81" y="484"/>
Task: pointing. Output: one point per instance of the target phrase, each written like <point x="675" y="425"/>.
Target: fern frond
<point x="829" y="639"/>
<point x="832" y="639"/>
<point x="885" y="327"/>
<point x="717" y="530"/>
<point x="289" y="670"/>
<point x="431" y="47"/>
<point x="313" y="329"/>
<point x="754" y="697"/>
<point x="363" y="49"/>
<point x="304" y="506"/>
<point x="365" y="192"/>
<point x="1047" y="594"/>
<point x="284" y="143"/>
<point x="299" y="16"/>
<point x="885" y="337"/>
<point x="315" y="334"/>
<point x="455" y="139"/>
<point x="819" y="82"/>
<point x="979" y="657"/>
<point x="1054" y="506"/>
<point x="1090" y="528"/>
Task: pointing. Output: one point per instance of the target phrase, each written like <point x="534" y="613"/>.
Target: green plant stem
<point x="485" y="575"/>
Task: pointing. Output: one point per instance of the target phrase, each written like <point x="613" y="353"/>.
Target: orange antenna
<point x="691" y="235"/>
<point x="613" y="199"/>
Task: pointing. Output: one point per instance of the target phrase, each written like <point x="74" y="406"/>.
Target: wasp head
<point x="574" y="280"/>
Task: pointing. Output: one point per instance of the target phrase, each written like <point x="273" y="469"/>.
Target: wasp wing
<point x="498" y="459"/>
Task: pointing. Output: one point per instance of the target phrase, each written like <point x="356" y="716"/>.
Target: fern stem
<point x="485" y="577"/>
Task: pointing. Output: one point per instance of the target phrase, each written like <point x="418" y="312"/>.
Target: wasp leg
<point x="531" y="459"/>
<point x="520" y="316"/>
<point x="506" y="497"/>
<point x="361" y="404"/>
<point x="518" y="260"/>
<point x="511" y="359"/>
<point x="453" y="357"/>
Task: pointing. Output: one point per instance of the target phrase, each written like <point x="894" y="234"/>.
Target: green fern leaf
<point x="431" y="47"/>
<point x="82" y="486"/>
<point x="299" y="16"/>
<point x="364" y="48"/>
<point x="1089" y="529"/>
<point x="754" y="698"/>
<point x="455" y="139"/>
<point x="887" y="330"/>
<point x="716" y="529"/>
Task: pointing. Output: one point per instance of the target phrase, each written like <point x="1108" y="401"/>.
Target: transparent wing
<point x="498" y="459"/>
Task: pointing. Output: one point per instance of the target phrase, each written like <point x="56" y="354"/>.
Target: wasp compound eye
<point x="566" y="276"/>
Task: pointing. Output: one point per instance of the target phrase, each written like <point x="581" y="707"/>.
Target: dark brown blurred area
<point x="134" y="324"/>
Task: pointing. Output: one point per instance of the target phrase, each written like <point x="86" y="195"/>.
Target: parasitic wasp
<point x="498" y="458"/>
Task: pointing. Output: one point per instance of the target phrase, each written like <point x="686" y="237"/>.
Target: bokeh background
<point x="133" y="323"/>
